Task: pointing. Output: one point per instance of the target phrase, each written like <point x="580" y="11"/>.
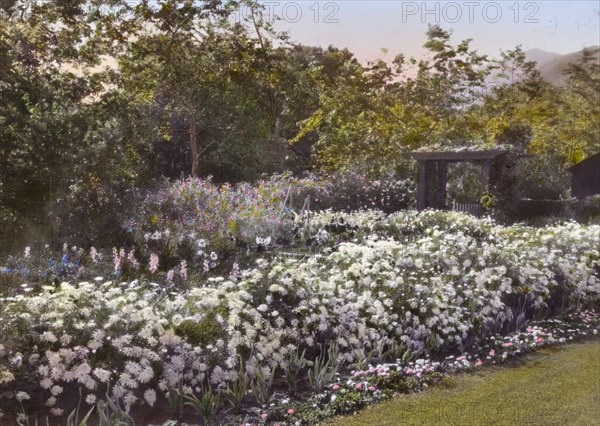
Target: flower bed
<point x="402" y="287"/>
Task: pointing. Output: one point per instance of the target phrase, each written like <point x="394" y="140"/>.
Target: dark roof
<point x="588" y="160"/>
<point x="458" y="155"/>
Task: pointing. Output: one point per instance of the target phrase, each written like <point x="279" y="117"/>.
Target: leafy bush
<point x="175" y="217"/>
<point x="350" y="190"/>
<point x="588" y="210"/>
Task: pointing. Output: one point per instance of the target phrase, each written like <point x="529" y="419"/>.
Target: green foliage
<point x="324" y="368"/>
<point x="262" y="384"/>
<point x="237" y="389"/>
<point x="346" y="402"/>
<point x="396" y="382"/>
<point x="372" y="112"/>
<point x="110" y="413"/>
<point x="209" y="403"/>
<point x="588" y="210"/>
<point x="294" y="365"/>
<point x="204" y="332"/>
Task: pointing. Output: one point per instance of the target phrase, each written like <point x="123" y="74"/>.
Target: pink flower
<point x="94" y="254"/>
<point x="372" y="388"/>
<point x="507" y="344"/>
<point x="117" y="263"/>
<point x="264" y="416"/>
<point x="492" y="353"/>
<point x="539" y="340"/>
<point x="529" y="330"/>
<point x="335" y="387"/>
<point x="153" y="266"/>
<point x="479" y="363"/>
<point x="410" y="372"/>
<point x="358" y="386"/>
<point x="291" y="411"/>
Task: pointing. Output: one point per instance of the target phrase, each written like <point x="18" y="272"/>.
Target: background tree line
<point x="99" y="99"/>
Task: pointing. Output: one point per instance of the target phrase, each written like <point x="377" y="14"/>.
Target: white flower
<point x="90" y="399"/>
<point x="57" y="411"/>
<point x="146" y="375"/>
<point x="129" y="399"/>
<point x="56" y="390"/>
<point x="213" y="255"/>
<point x="46" y="383"/>
<point x="262" y="308"/>
<point x="22" y="396"/>
<point x="102" y="374"/>
<point x="150" y="397"/>
<point x="48" y="336"/>
<point x="127" y="381"/>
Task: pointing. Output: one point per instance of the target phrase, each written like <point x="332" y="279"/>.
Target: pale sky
<point x="365" y="27"/>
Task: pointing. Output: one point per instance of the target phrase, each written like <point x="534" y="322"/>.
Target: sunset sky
<point x="365" y="27"/>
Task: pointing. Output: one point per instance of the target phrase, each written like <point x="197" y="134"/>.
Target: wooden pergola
<point x="433" y="172"/>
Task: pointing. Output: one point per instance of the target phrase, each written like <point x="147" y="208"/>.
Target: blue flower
<point x="65" y="258"/>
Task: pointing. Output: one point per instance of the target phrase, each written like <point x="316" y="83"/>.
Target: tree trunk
<point x="194" y="146"/>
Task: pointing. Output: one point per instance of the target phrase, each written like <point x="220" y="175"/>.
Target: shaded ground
<point x="557" y="386"/>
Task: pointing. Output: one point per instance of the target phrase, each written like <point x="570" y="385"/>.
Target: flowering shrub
<point x="350" y="191"/>
<point x="237" y="215"/>
<point x="403" y="286"/>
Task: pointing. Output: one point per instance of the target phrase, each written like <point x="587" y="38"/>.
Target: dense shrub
<point x="587" y="210"/>
<point x="230" y="217"/>
<point x="547" y="212"/>
<point x="532" y="210"/>
<point x="350" y="191"/>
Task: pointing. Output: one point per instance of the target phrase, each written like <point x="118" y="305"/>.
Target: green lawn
<point x="557" y="386"/>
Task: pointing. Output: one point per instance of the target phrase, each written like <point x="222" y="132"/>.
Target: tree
<point x="208" y="76"/>
<point x="374" y="111"/>
<point x="43" y="110"/>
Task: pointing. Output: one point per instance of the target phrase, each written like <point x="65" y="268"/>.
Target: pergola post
<point x="441" y="183"/>
<point x="422" y="184"/>
<point x="487" y="171"/>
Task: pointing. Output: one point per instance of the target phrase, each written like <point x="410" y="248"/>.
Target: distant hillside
<point x="552" y="65"/>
